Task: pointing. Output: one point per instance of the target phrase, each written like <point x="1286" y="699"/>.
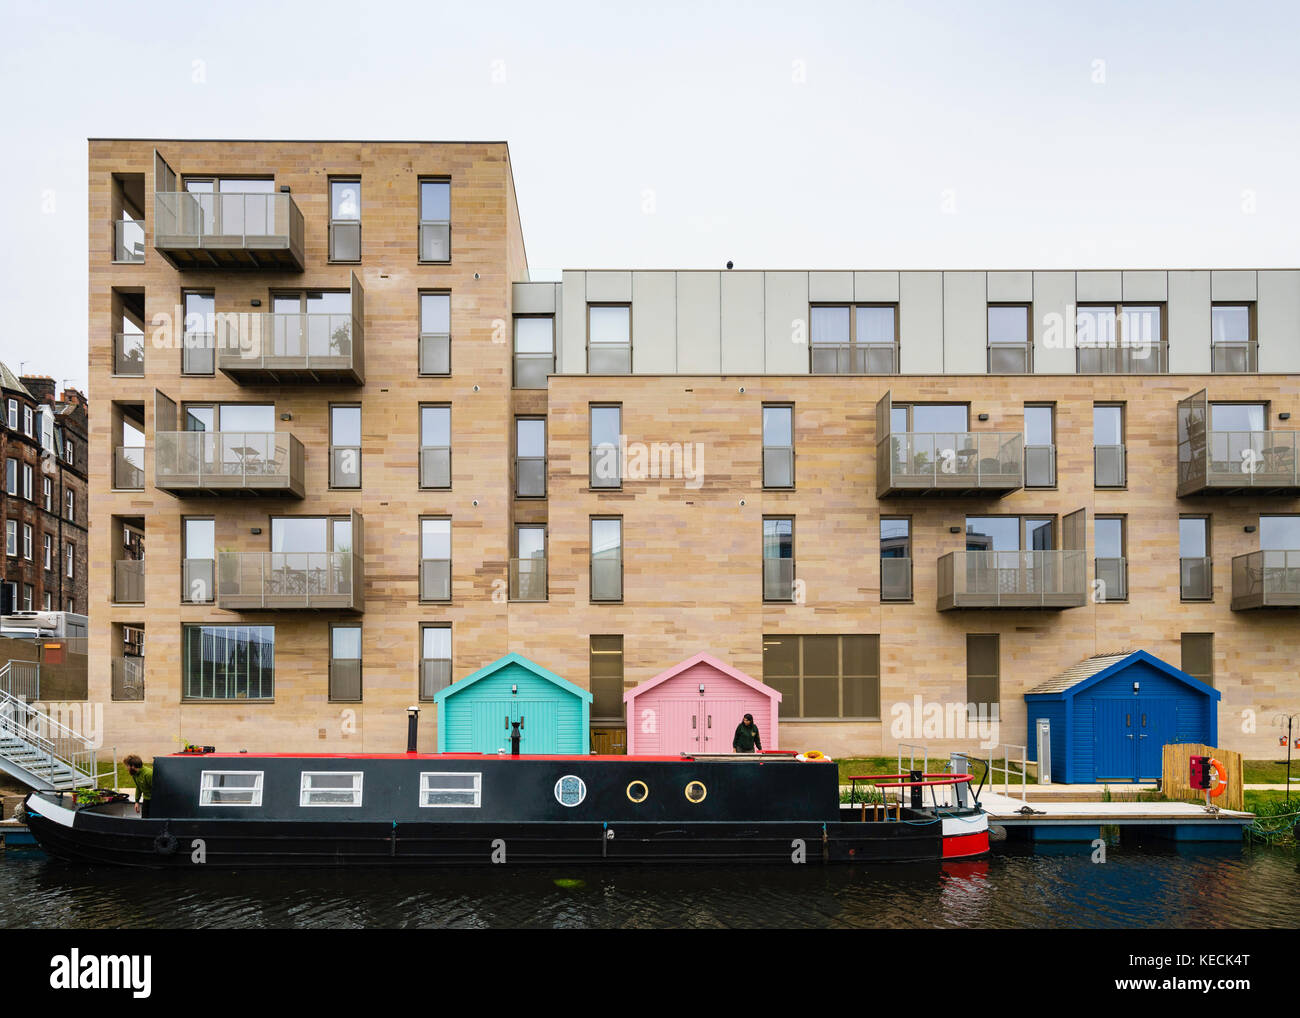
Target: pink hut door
<point x="721" y="718"/>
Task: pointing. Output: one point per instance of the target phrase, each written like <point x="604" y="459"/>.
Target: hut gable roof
<point x="1096" y="669"/>
<point x="516" y="659"/>
<point x="712" y="662"/>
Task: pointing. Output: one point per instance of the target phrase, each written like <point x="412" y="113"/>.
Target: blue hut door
<point x="489" y="726"/>
<point x="538" y="727"/>
<point x="1155" y="727"/>
<point x="1115" y="748"/>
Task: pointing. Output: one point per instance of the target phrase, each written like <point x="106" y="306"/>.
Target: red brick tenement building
<point x="44" y="502"/>
<point x="370" y="454"/>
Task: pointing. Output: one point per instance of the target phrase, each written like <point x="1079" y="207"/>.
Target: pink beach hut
<point x="695" y="706"/>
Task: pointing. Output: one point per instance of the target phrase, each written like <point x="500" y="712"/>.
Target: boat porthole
<point x="695" y="791"/>
<point x="638" y="791"/>
<point x="570" y="790"/>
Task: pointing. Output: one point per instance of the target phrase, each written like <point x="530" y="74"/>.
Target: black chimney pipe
<point x="514" y="739"/>
<point x="412" y="727"/>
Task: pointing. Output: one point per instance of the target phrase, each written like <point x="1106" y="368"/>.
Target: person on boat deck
<point x="142" y="775"/>
<point x="746" y="739"/>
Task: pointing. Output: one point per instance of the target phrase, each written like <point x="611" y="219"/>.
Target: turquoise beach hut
<point x="478" y="713"/>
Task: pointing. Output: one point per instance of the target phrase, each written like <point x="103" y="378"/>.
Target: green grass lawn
<point x="1270" y="772"/>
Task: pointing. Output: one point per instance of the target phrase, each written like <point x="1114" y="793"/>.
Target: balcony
<point x="1196" y="579"/>
<point x="955" y="463"/>
<point x="1226" y="358"/>
<point x="128" y="353"/>
<point x="435" y="579"/>
<point x="290" y="581"/>
<point x="128" y="467"/>
<point x="778" y="579"/>
<point x="1266" y="579"/>
<point x="1233" y="462"/>
<point x="435" y="466"/>
<point x="1012" y="579"/>
<point x="895" y="579"/>
<point x="128" y="581"/>
<point x="530" y="477"/>
<point x="229" y="463"/>
<point x="1139" y="359"/>
<point x="297" y="348"/>
<point x="261" y="231"/>
<point x="127" y="678"/>
<point x="435" y="676"/>
<point x="1109" y="466"/>
<point x="1040" y="466"/>
<point x="128" y="241"/>
<point x="778" y="466"/>
<point x="528" y="579"/>
<point x="1011" y="359"/>
<point x="531" y="369"/>
<point x="853" y="359"/>
<point x="609" y="358"/>
<point x="198" y="580"/>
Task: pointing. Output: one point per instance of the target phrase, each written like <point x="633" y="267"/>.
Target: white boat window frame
<point x="426" y="788"/>
<point x="305" y="788"/>
<point x="255" y="790"/>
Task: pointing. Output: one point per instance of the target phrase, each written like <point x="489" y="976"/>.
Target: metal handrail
<point x="1006" y="771"/>
<point x="61" y="747"/>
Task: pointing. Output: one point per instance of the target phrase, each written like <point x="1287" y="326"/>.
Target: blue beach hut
<point x="478" y="713"/>
<point x="1111" y="715"/>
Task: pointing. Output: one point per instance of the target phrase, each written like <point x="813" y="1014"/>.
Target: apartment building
<point x="370" y="455"/>
<point x="44" y="502"/>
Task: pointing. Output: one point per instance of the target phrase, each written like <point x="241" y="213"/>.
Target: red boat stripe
<point x="957" y="845"/>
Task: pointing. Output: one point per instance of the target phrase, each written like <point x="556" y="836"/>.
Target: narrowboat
<point x="237" y="810"/>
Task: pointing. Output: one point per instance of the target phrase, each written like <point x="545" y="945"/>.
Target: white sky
<point x="939" y="135"/>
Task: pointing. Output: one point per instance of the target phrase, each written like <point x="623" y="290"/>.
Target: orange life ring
<point x="1222" y="773"/>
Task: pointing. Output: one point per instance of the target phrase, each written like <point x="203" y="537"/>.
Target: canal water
<point x="1017" y="887"/>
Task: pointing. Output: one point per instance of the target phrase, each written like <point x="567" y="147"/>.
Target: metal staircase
<point x="38" y="750"/>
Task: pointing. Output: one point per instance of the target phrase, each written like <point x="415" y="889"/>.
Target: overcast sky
<point x="796" y="135"/>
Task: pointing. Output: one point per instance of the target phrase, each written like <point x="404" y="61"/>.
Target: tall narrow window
<point x="345" y="447"/>
<point x="1111" y="563"/>
<point x="345" y="220"/>
<point x="435" y="447"/>
<point x="1195" y="571"/>
<point x="778" y="446"/>
<point x="1109" y="454"/>
<point x="1232" y="338"/>
<point x="1040" y="445"/>
<point x="435" y="334"/>
<point x="198" y="562"/>
<point x="528" y="567"/>
<point x="70" y="505"/>
<point x="895" y="558"/>
<point x="27" y="541"/>
<point x="1011" y="348"/>
<point x="778" y="559"/>
<point x="71" y="552"/>
<point x="983" y="673"/>
<point x="345" y="663"/>
<point x="435" y="659"/>
<point x="435" y="220"/>
<point x="534" y="350"/>
<point x="609" y="339"/>
<point x="1198" y="656"/>
<point x="606" y="676"/>
<point x="435" y="560"/>
<point x="606" y="558"/>
<point x="530" y="457"/>
<point x="606" y="447"/>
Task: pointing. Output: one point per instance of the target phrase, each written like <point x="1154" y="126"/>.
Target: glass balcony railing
<point x="895" y="579"/>
<point x="435" y="676"/>
<point x="198" y="580"/>
<point x="606" y="466"/>
<point x="1109" y="466"/>
<point x="853" y="359"/>
<point x="128" y="467"/>
<point x="1227" y="358"/>
<point x="778" y="466"/>
<point x="435" y="466"/>
<point x="1232" y="460"/>
<point x="530" y="476"/>
<point x="240" y="462"/>
<point x="1112" y="579"/>
<point x="128" y="581"/>
<point x="255" y="581"/>
<point x="1266" y="579"/>
<point x="435" y="579"/>
<point x="1040" y="466"/>
<point x="1012" y="579"/>
<point x="229" y="229"/>
<point x="956" y="461"/>
<point x="435" y="240"/>
<point x="128" y="353"/>
<point x="531" y="369"/>
<point x="607" y="576"/>
<point x="345" y="466"/>
<point x="1138" y="359"/>
<point x="345" y="680"/>
<point x="127" y="678"/>
<point x="435" y="353"/>
<point x="1196" y="579"/>
<point x="1011" y="358"/>
<point x="528" y="579"/>
<point x="293" y="347"/>
<point x="609" y="358"/>
<point x="778" y="579"/>
<point x="128" y="241"/>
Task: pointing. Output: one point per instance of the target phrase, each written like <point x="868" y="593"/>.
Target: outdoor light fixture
<point x="730" y="264"/>
<point x="254" y="530"/>
<point x="284" y="189"/>
<point x="514" y="690"/>
<point x="1136" y="687"/>
<point x="286" y="417"/>
<point x="954" y="530"/>
<point x="1285" y="415"/>
<point x="1249" y="528"/>
<point x="984" y="417"/>
<point x="701" y="689"/>
<point x="255" y="302"/>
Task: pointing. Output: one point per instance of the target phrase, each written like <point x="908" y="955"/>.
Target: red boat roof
<point x="433" y="756"/>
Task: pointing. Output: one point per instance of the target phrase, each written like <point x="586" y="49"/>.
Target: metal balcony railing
<point x="345" y="680"/>
<point x="128" y="353"/>
<point x="954" y="461"/>
<point x="778" y="466"/>
<point x="1241" y="460"/>
<point x="435" y="579"/>
<point x="531" y="369"/>
<point x="1040" y="466"/>
<point x="1196" y="579"/>
<point x="1012" y="579"/>
<point x="609" y="358"/>
<point x="607" y="576"/>
<point x="288" y="347"/>
<point x="1112" y="579"/>
<point x="530" y="476"/>
<point x="1011" y="358"/>
<point x="435" y="466"/>
<point x="255" y="581"/>
<point x="224" y="462"/>
<point x="128" y="241"/>
<point x="1137" y="359"/>
<point x="435" y="676"/>
<point x="1109" y="466"/>
<point x="229" y="229"/>
<point x="128" y="467"/>
<point x="435" y="240"/>
<point x="435" y="353"/>
<point x="853" y="358"/>
<point x="199" y="580"/>
<point x="127" y="678"/>
<point x="128" y="581"/>
<point x="345" y="466"/>
<point x="606" y="466"/>
<point x="1226" y="357"/>
<point x="778" y="579"/>
<point x="895" y="579"/>
<point x="528" y="579"/>
<point x="345" y="240"/>
<point x="1266" y="579"/>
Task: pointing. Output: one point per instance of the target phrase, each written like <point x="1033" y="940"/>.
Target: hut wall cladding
<point x="692" y="555"/>
<point x="673" y="701"/>
<point x="567" y="733"/>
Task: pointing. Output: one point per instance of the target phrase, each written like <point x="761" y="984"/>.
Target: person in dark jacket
<point x="747" y="739"/>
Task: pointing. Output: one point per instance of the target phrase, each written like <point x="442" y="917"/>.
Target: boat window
<point x="330" y="788"/>
<point x="570" y="790"/>
<point x="230" y="788"/>
<point x="695" y="791"/>
<point x="638" y="791"/>
<point x="451" y="788"/>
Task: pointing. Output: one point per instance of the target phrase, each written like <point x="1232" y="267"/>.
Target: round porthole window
<point x="570" y="790"/>
<point x="695" y="791"/>
<point x="638" y="791"/>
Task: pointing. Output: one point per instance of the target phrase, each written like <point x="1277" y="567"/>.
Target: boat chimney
<point x="412" y="727"/>
<point x="514" y="739"/>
